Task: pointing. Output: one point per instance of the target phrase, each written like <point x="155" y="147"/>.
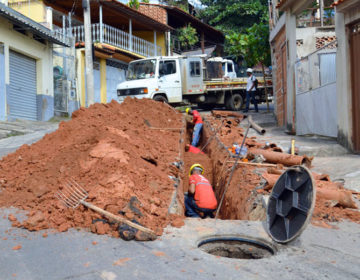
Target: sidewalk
<point x="15" y="134"/>
<point x="329" y="157"/>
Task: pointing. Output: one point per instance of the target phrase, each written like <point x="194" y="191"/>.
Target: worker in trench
<point x="198" y="125"/>
<point x="200" y="201"/>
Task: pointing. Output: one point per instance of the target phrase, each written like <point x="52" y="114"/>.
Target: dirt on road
<point x="111" y="151"/>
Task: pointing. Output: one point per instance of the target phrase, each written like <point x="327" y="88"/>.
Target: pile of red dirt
<point x="333" y="201"/>
<point x="110" y="150"/>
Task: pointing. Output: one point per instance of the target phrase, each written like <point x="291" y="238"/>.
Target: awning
<point x="25" y="23"/>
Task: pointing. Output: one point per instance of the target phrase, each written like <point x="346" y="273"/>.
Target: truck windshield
<point x="144" y="69"/>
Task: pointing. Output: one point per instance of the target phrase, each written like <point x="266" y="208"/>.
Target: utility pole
<point x="89" y="72"/>
<point x="321" y="12"/>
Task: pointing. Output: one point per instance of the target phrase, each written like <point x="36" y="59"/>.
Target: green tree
<point x="252" y="46"/>
<point x="187" y="36"/>
<point x="134" y="4"/>
<point x="233" y="15"/>
<point x="182" y="4"/>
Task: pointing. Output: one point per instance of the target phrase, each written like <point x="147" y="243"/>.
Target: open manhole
<point x="236" y="248"/>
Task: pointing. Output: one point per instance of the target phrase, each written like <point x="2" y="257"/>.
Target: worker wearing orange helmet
<point x="200" y="201"/>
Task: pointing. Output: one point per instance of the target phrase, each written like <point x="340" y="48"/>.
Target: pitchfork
<point x="72" y="195"/>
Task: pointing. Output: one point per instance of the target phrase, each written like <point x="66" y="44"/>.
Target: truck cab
<point x="227" y="65"/>
<point x="165" y="79"/>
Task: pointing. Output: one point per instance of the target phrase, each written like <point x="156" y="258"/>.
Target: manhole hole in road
<point x="236" y="248"/>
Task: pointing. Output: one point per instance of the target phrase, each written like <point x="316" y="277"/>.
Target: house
<point x="347" y="26"/>
<point x="317" y="88"/>
<point x="120" y="34"/>
<point x="210" y="39"/>
<point x="303" y="48"/>
<point x="26" y="67"/>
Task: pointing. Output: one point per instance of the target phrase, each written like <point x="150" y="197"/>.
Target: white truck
<point x="181" y="80"/>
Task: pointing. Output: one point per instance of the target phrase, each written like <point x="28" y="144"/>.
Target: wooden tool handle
<point x="117" y="218"/>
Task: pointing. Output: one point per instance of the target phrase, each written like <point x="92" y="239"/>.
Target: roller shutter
<point x="22" y="90"/>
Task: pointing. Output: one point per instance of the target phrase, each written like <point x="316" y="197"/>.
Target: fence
<point x="110" y="35"/>
<point x="316" y="109"/>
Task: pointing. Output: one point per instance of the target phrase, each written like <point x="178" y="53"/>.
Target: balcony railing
<point x="110" y="35"/>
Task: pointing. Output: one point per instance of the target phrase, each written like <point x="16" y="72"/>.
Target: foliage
<point x="182" y="4"/>
<point x="252" y="45"/>
<point x="245" y="24"/>
<point x="233" y="15"/>
<point x="187" y="36"/>
<point x="134" y="4"/>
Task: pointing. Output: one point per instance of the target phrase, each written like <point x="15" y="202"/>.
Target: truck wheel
<point x="160" y="98"/>
<point x="234" y="102"/>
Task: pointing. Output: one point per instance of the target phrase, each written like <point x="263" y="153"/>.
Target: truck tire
<point x="160" y="98"/>
<point x="234" y="102"/>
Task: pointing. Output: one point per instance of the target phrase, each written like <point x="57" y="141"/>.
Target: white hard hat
<point x="249" y="70"/>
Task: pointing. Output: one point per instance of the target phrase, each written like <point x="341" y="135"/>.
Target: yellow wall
<point x="103" y="80"/>
<point x="36" y="10"/>
<point x="149" y="36"/>
<point x="21" y="43"/>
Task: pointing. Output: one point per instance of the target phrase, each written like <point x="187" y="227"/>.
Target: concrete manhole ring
<point x="237" y="247"/>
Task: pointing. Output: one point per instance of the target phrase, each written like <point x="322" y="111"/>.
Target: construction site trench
<point x="240" y="197"/>
<point x="130" y="159"/>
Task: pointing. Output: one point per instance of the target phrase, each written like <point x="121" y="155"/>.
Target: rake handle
<point x="117" y="218"/>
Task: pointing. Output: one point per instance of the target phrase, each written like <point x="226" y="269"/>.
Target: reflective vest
<point x="204" y="194"/>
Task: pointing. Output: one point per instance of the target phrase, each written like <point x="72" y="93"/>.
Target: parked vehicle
<point x="227" y="67"/>
<point x="183" y="80"/>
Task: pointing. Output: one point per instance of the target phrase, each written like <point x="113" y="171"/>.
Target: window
<point x="229" y="67"/>
<point x="167" y="67"/>
<point x="194" y="68"/>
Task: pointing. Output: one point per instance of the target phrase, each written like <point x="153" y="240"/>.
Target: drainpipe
<point x="101" y="24"/>
<point x="130" y="35"/>
<point x="155" y="43"/>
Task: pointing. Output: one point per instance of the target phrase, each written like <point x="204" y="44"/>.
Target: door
<point x="114" y="76"/>
<point x="284" y="82"/>
<point x="22" y="89"/>
<point x="355" y="83"/>
<point x="97" y="82"/>
<point x="170" y="80"/>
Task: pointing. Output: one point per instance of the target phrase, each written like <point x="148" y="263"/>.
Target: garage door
<point x="22" y="90"/>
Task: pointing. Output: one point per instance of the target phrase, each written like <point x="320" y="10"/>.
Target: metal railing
<point x="113" y="36"/>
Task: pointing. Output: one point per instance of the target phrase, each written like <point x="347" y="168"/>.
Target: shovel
<point x="72" y="195"/>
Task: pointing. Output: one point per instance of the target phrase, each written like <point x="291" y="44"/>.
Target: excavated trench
<point x="241" y="201"/>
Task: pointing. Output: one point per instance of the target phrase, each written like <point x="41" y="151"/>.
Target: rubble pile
<point x="116" y="152"/>
<point x="267" y="163"/>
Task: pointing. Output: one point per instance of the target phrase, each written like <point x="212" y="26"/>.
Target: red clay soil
<point x="333" y="203"/>
<point x="112" y="153"/>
